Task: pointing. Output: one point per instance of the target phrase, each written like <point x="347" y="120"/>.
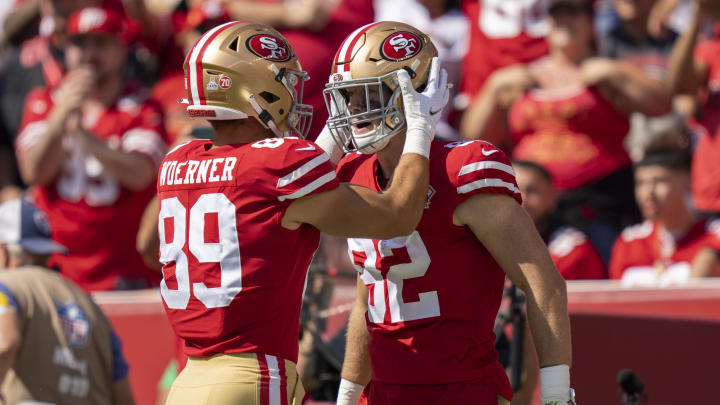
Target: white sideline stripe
<point x="193" y="61"/>
<point x="274" y="373"/>
<point x="309" y="188"/>
<point x="486" y="183"/>
<point x="303" y="170"/>
<point x="472" y="167"/>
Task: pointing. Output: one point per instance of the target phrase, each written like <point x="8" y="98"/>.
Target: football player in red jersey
<point x="241" y="215"/>
<point x="427" y="300"/>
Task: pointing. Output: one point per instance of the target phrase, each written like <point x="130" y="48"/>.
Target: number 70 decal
<point x="384" y="265"/>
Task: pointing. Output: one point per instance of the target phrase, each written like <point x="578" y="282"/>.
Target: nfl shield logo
<point x="74" y="322"/>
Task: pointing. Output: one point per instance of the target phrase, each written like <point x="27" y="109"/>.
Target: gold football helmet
<point x="363" y="96"/>
<point x="239" y="70"/>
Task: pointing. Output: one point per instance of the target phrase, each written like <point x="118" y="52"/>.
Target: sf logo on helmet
<point x="400" y="46"/>
<point x="268" y="47"/>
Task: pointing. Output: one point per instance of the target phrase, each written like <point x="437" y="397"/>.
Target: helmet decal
<point x="268" y="47"/>
<point x="400" y="46"/>
<point x="225" y="82"/>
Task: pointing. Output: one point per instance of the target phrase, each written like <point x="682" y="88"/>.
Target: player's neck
<point x="238" y="131"/>
<point x="390" y="156"/>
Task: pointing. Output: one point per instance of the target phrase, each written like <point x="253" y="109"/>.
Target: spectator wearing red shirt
<point x="502" y="33"/>
<point x="569" y="112"/>
<point x="91" y="147"/>
<point x="695" y="67"/>
<point x="571" y="250"/>
<point x="661" y="250"/>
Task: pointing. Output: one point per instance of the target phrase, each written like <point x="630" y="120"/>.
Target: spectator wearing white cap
<point x="56" y="346"/>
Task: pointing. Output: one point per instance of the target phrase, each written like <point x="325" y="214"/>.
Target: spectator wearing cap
<point x="661" y="250"/>
<point x="695" y="70"/>
<point x="571" y="251"/>
<point x="569" y="111"/>
<point x="91" y="147"/>
<point x="56" y="346"/>
<point x="36" y="62"/>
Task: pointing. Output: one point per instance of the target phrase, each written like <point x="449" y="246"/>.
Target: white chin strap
<point x="371" y="142"/>
<point x="270" y="124"/>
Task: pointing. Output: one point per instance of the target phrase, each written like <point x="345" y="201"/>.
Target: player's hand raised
<point x="423" y="110"/>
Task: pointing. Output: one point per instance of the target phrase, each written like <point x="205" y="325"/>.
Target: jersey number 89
<point x="226" y="252"/>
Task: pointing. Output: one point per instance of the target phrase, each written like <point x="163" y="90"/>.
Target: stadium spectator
<point x="408" y="294"/>
<point x="661" y="250"/>
<point x="630" y="41"/>
<point x="315" y="29"/>
<point x="447" y="27"/>
<point x="56" y="345"/>
<point x="573" y="254"/>
<point x="93" y="156"/>
<point x="502" y="33"/>
<point x="695" y="69"/>
<point x="569" y="112"/>
<point x="252" y="203"/>
<point x="37" y="62"/>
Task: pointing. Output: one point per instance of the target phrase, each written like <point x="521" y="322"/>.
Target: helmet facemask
<point x="373" y="122"/>
<point x="300" y="116"/>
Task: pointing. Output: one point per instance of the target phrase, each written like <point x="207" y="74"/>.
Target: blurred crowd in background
<point x="609" y="109"/>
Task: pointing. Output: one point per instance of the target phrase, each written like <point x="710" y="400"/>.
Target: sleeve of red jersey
<point x="479" y="167"/>
<point x="147" y="136"/>
<point x="303" y="169"/>
<point x="34" y="125"/>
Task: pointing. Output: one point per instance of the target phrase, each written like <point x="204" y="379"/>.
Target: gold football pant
<point x="243" y="379"/>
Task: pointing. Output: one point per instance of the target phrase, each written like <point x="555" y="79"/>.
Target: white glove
<point x="423" y="110"/>
<point x="555" y="385"/>
<point x="349" y="392"/>
<point x="327" y="143"/>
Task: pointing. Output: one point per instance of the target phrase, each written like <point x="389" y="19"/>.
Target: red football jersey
<point x="577" y="137"/>
<point x="233" y="276"/>
<point x="708" y="53"/>
<point x="574" y="256"/>
<point x="438" y="284"/>
<point x="706" y="173"/>
<point x="90" y="213"/>
<point x="646" y="254"/>
<point x="502" y="33"/>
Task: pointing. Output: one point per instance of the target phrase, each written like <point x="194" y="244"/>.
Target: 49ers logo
<point x="268" y="47"/>
<point x="400" y="46"/>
